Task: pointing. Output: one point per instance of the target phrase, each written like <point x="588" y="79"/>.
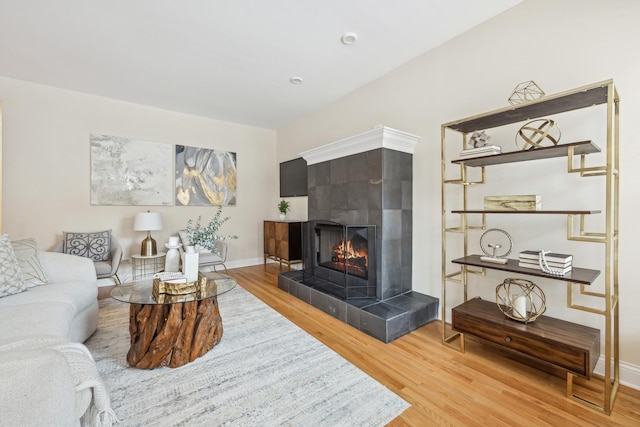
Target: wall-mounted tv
<point x="293" y="178"/>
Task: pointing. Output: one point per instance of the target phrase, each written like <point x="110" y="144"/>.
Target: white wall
<point x="46" y="168"/>
<point x="560" y="45"/>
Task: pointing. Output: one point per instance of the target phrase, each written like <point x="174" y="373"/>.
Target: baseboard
<point x="629" y="373"/>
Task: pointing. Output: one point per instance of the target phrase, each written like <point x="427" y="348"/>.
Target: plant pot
<point x="283" y="216"/>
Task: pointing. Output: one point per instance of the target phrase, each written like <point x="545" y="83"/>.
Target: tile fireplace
<point x="357" y="243"/>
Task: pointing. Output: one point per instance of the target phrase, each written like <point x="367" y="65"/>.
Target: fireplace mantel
<point x="380" y="137"/>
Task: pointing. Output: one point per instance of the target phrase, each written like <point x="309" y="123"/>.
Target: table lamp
<point x="148" y="221"/>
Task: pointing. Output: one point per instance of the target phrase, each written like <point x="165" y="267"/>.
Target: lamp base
<point x="148" y="247"/>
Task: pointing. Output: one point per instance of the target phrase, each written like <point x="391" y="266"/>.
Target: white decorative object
<point x="172" y="259"/>
<point x="478" y="139"/>
<point x="380" y="137"/>
<point x="190" y="264"/>
<point x="519" y="306"/>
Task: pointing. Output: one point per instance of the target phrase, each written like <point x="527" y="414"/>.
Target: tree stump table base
<point x="172" y="334"/>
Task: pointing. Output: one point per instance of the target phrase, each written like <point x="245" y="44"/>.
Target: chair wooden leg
<point x="117" y="279"/>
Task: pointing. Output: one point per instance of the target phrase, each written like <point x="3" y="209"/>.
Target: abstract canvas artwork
<point x="205" y="177"/>
<point x="130" y="172"/>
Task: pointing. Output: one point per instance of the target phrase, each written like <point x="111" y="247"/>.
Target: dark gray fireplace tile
<point x="374" y="164"/>
<point x="323" y="196"/>
<point x="392" y="194"/>
<point x="323" y="173"/>
<point x="391" y="224"/>
<point x="338" y="170"/>
<point x="392" y="164"/>
<point x="339" y="196"/>
<point x="407" y="224"/>
<point x="391" y="254"/>
<point x="375" y="195"/>
<point x="357" y="169"/>
<point x="373" y="325"/>
<point x="358" y="195"/>
<point x="353" y="316"/>
<point x="407" y="195"/>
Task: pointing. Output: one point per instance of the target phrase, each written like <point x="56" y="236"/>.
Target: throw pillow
<point x="26" y="251"/>
<point x="96" y="245"/>
<point x="11" y="281"/>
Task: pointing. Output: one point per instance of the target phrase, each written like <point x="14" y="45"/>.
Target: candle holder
<point x="520" y="299"/>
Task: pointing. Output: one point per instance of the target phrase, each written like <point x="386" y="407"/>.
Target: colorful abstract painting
<point x="130" y="172"/>
<point x="205" y="177"/>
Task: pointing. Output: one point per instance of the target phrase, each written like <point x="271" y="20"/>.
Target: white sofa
<point x="37" y="386"/>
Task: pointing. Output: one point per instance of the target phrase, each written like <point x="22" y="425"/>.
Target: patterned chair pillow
<point x="11" y="281"/>
<point x="26" y="251"/>
<point x="96" y="245"/>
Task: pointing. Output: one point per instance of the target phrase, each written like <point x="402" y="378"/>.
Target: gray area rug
<point x="266" y="371"/>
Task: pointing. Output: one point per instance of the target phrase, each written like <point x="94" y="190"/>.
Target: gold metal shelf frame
<point x="576" y="152"/>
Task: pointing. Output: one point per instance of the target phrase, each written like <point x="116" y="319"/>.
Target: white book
<point x="482" y="149"/>
<point x="550" y="256"/>
<point x="549" y="263"/>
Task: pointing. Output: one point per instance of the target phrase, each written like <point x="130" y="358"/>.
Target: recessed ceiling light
<point x="349" y="38"/>
<point x="296" y="80"/>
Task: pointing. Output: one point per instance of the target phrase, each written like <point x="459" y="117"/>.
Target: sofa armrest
<point x="61" y="267"/>
<point x="37" y="389"/>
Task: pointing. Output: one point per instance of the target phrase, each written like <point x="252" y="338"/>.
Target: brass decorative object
<point x="525" y="91"/>
<point x="169" y="287"/>
<point x="520" y="300"/>
<point x="536" y="132"/>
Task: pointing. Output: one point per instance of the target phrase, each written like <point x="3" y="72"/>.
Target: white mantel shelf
<point x="379" y="137"/>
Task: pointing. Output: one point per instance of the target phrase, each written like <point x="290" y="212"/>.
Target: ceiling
<point x="230" y="60"/>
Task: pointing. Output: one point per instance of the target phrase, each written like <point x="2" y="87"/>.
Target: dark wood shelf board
<point x="545" y="106"/>
<point x="576" y="275"/>
<point x="545" y="212"/>
<point x="562" y="150"/>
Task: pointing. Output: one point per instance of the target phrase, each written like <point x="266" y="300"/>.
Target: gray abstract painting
<point x="130" y="172"/>
<point x="205" y="177"/>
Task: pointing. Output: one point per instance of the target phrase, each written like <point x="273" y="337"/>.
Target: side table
<point x="142" y="266"/>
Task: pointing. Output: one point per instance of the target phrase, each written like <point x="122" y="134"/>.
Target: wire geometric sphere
<point x="524" y="92"/>
<point x="533" y="134"/>
<point x="520" y="299"/>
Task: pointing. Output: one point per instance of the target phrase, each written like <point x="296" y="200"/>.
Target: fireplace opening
<point x="351" y="256"/>
<point x="344" y="255"/>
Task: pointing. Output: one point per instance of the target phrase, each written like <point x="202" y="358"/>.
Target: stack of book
<point x="558" y="263"/>
<point x="487" y="150"/>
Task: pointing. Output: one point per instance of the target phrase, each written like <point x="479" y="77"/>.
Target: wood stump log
<point x="172" y="334"/>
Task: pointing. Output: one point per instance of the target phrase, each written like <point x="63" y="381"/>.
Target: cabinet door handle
<point x="507" y="339"/>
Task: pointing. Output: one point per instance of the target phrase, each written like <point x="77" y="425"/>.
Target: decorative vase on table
<point x="190" y="264"/>
<point x="172" y="258"/>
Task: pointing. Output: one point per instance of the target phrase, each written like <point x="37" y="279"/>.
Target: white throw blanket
<point x="85" y="374"/>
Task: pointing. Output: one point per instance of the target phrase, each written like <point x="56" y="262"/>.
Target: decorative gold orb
<point x="537" y="132"/>
<point x="520" y="300"/>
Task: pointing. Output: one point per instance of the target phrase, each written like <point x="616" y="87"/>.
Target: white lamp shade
<point x="147" y="221"/>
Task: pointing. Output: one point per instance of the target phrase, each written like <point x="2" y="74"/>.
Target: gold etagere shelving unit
<point x="456" y="272"/>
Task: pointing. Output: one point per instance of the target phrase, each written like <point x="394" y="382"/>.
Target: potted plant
<point x="283" y="207"/>
<point x="206" y="237"/>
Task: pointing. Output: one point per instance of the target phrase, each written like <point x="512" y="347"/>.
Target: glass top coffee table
<point x="172" y="330"/>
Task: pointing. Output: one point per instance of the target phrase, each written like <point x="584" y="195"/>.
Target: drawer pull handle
<point x="507" y="339"/>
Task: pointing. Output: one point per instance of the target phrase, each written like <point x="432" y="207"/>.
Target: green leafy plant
<point x="283" y="206"/>
<point x="206" y="237"/>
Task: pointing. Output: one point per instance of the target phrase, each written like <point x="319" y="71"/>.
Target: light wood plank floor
<point x="484" y="386"/>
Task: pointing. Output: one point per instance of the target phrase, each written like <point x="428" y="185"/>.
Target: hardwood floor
<point x="484" y="386"/>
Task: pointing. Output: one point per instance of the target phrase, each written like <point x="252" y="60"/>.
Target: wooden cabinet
<point x="283" y="242"/>
<point x="571" y="346"/>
